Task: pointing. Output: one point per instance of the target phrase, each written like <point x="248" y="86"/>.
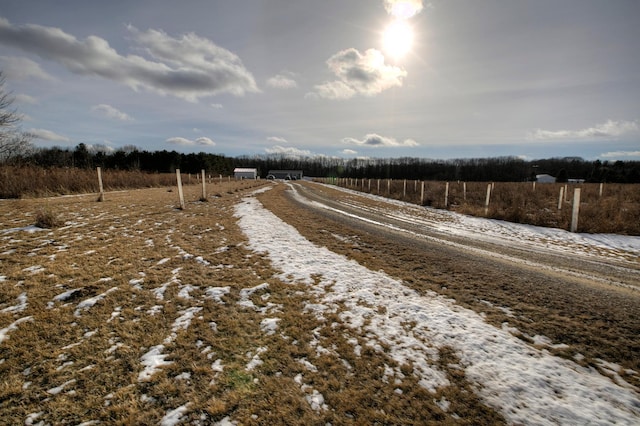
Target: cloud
<point x="282" y="81"/>
<point x="403" y="9"/>
<point x="349" y="152"/>
<point x="364" y="74"/>
<point x="20" y="68"/>
<point x="610" y="128"/>
<point x="276" y="139"/>
<point x="620" y="154"/>
<point x="288" y="151"/>
<point x="202" y="141"/>
<point x="188" y="67"/>
<point x="47" y="135"/>
<point x="111" y="112"/>
<point x="375" y="140"/>
<point x="216" y="106"/>
<point x="21" y="98"/>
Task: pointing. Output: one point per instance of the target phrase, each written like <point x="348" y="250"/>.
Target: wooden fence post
<point x="180" y="193"/>
<point x="446" y="195"/>
<point x="101" y="196"/>
<point x="576" y="210"/>
<point x="601" y="188"/>
<point x="204" y="187"/>
<point x="388" y="186"/>
<point x="464" y="191"/>
<point x="404" y="189"/>
<point x="422" y="195"/>
<point x="561" y="198"/>
<point x="378" y="187"/>
<point x="486" y="201"/>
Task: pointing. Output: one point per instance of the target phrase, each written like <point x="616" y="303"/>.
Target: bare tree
<point x="13" y="142"/>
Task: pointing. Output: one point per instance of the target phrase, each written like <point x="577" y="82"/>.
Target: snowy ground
<point x="526" y="385"/>
<point x="620" y="247"/>
<point x="179" y="286"/>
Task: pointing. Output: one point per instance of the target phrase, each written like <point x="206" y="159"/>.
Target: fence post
<point x="204" y="187"/>
<point x="180" y="193"/>
<point x="534" y="186"/>
<point x="561" y="198"/>
<point x="101" y="196"/>
<point x="446" y="195"/>
<point x="566" y="192"/>
<point x="576" y="210"/>
<point x="404" y="189"/>
<point x="464" y="191"/>
<point x="388" y="186"/>
<point x="422" y="195"/>
<point x="486" y="201"/>
<point x="601" y="188"/>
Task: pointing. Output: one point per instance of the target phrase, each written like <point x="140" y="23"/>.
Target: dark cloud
<point x="189" y="67"/>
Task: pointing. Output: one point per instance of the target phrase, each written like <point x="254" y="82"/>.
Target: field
<point x="133" y="311"/>
<point x="615" y="211"/>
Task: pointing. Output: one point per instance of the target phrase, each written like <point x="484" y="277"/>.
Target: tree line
<point x="500" y="169"/>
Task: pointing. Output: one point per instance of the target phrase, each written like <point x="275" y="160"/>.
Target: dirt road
<point x="577" y="301"/>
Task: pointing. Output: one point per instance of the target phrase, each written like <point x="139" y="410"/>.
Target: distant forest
<point x="501" y="169"/>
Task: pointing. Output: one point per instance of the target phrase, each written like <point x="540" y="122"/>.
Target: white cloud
<point x="189" y="67"/>
<point x="620" y="154"/>
<point x="105" y="148"/>
<point x="358" y="73"/>
<point x="21" y="68"/>
<point x="288" y="151"/>
<point x="349" y="152"/>
<point x="403" y="9"/>
<point x="282" y="81"/>
<point x="47" y="135"/>
<point x="611" y="128"/>
<point x="111" y="112"/>
<point x="276" y="139"/>
<point x="203" y="141"/>
<point x="375" y="140"/>
<point x="21" y="98"/>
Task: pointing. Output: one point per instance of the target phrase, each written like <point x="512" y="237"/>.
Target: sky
<point x="436" y="79"/>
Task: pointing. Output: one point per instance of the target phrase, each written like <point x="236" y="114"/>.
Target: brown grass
<point x="137" y="242"/>
<point x="21" y="182"/>
<point x="616" y="211"/>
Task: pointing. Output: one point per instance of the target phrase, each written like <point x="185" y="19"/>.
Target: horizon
<point x="441" y="80"/>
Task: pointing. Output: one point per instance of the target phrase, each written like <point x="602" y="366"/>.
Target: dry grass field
<point x="131" y="311"/>
<point x="616" y="211"/>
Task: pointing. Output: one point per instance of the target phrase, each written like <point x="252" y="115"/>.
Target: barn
<point x="285" y="174"/>
<point x="245" y="173"/>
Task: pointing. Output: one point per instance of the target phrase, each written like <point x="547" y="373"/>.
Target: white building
<point x="545" y="179"/>
<point x="245" y="173"/>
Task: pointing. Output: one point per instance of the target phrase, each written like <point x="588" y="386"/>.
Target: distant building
<point x="545" y="179"/>
<point x="245" y="173"/>
<point x="285" y="174"/>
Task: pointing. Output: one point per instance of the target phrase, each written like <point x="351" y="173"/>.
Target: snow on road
<point x="528" y="386"/>
<point x="621" y="247"/>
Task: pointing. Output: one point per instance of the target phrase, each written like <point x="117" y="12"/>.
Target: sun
<point x="397" y="39"/>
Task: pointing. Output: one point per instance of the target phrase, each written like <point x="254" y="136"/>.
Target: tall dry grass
<point x="20" y="182"/>
<point x="616" y="211"/>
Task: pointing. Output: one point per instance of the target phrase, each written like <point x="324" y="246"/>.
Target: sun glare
<point x="397" y="39"/>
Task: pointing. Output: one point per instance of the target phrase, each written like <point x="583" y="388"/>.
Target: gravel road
<point x="578" y="301"/>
